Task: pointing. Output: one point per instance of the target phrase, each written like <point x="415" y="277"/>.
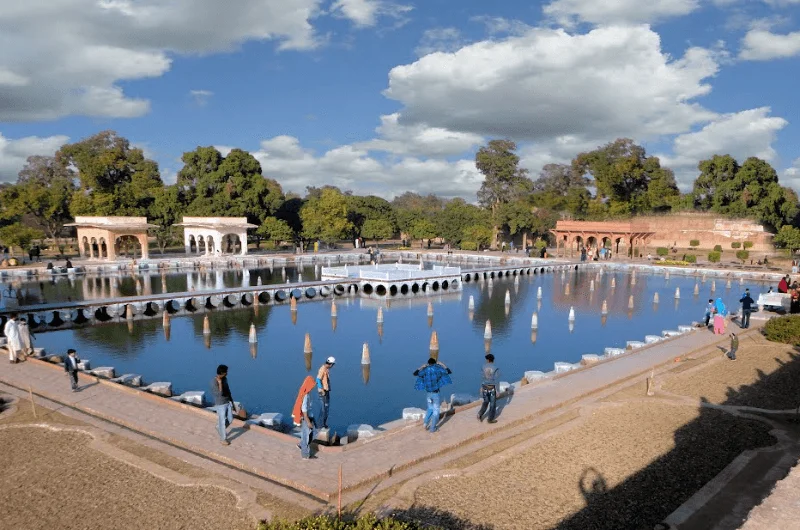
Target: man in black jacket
<point x="223" y="402"/>
<point x="71" y="367"/>
<point x="747" y="308"/>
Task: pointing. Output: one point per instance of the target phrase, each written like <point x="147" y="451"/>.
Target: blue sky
<point x="383" y="97"/>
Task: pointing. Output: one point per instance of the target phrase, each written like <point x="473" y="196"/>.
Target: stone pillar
<point x="145" y="246"/>
<point x="243" y="239"/>
<point x="187" y="242"/>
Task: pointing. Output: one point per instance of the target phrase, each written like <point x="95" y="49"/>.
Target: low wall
<point x="709" y="230"/>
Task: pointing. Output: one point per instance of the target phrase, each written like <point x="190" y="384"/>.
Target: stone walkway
<point x="276" y="458"/>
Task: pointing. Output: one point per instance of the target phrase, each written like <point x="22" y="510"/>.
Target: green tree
<point x="422" y="229"/>
<point x="19" y="235"/>
<point x="742" y="255"/>
<point x="115" y="178"/>
<point x="409" y="207"/>
<point x="275" y="230"/>
<point x="165" y="212"/>
<point x="325" y="217"/>
<point x="43" y="193"/>
<point x="479" y="234"/>
<point x="504" y="180"/>
<point x="627" y="178"/>
<point x="377" y="229"/>
<point x="788" y="237"/>
<point x="456" y="215"/>
<point x="369" y="208"/>
<point x="560" y="189"/>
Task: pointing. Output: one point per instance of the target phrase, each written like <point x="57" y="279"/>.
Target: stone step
<point x="160" y="388"/>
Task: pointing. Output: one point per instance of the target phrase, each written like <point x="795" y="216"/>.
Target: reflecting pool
<point x="266" y="379"/>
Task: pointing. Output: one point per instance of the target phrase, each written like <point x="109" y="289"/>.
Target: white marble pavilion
<point x="214" y="236"/>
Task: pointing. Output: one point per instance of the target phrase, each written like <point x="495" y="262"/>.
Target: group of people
<point x="19" y="339"/>
<point x="716" y="312"/>
<point x="595" y="254"/>
<point x="792" y="288"/>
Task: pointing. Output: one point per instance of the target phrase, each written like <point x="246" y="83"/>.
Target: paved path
<point x="276" y="458"/>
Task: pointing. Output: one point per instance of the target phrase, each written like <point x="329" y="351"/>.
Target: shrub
<point x="783" y="329"/>
<point x="714" y="257"/>
<point x="718" y="248"/>
<point x="330" y="522"/>
<point x="736" y="244"/>
<point x="540" y="244"/>
<point x="469" y="245"/>
<point x="748" y="244"/>
<point x="742" y="255"/>
<point x="691" y="258"/>
<point x="694" y="243"/>
<point x="662" y="251"/>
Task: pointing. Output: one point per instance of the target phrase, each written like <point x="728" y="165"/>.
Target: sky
<point x="383" y="97"/>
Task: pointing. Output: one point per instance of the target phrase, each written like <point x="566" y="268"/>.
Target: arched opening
<point x="94" y="248"/>
<point x="491" y="274"/>
<point x="172" y="307"/>
<point x="404" y="289"/>
<point x="424" y="287"/>
<point x="281" y="296"/>
<point x="263" y="297"/>
<point x="435" y="286"/>
<point x="445" y="284"/>
<point x="467" y="277"/>
<point x="128" y="246"/>
<point x="247" y="299"/>
<point x="103" y="248"/>
<point x="368" y="288"/>
<point x="415" y="288"/>
<point x="192" y="305"/>
<point x="339" y="290"/>
<point x="380" y="290"/>
<point x="353" y="288"/>
<point x="454" y="284"/>
<point x="192" y="245"/>
<point x="393" y="290"/>
<point x="230" y="300"/>
<point x="231" y="244"/>
<point x="211" y="245"/>
<point x="297" y="294"/>
<point x="86" y="247"/>
<point x="100" y="314"/>
<point x="311" y="292"/>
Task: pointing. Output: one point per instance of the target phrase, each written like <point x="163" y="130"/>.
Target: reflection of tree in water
<point x="116" y="337"/>
<point x="581" y="296"/>
<point x="232" y="321"/>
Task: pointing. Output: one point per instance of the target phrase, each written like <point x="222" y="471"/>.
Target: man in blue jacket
<point x="431" y="378"/>
<point x="747" y="308"/>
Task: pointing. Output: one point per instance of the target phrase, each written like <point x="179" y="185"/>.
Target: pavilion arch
<point x="131" y="245"/>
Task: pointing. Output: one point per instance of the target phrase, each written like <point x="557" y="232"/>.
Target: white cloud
<point x="763" y="45"/>
<point x="365" y="13"/>
<point x="201" y="97"/>
<point x="503" y="26"/>
<point x="568" y="12"/>
<point x="75" y="65"/>
<point x="419" y="139"/>
<point x="437" y="40"/>
<point x="14" y="153"/>
<point x="295" y="167"/>
<point x="613" y="81"/>
<point x="791" y="176"/>
<point x="741" y="135"/>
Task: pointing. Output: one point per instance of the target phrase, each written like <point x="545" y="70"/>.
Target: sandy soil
<point x="762" y="376"/>
<point x="628" y="466"/>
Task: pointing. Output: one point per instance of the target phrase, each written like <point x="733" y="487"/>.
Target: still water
<point x="268" y="381"/>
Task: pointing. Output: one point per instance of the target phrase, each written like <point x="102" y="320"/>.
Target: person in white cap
<point x="324" y="389"/>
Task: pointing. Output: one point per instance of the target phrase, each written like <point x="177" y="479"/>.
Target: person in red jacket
<point x="783" y="285"/>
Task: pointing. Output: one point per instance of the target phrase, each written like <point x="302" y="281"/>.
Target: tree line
<point x="105" y="175"/>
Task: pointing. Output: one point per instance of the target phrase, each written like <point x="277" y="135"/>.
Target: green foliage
<point x="275" y="230"/>
<point x="370" y="208"/>
<point x="479" y="234"/>
<point x="503" y="180"/>
<point x="784" y="329"/>
<point x="422" y="229"/>
<point x="457" y="215"/>
<point x="714" y="256"/>
<point x="742" y="255"/>
<point x="377" y="229"/>
<point x="469" y="245"/>
<point x="629" y="180"/>
<point x="718" y="248"/>
<point x="540" y="244"/>
<point x="115" y="178"/>
<point x="694" y="243"/>
<point x="165" y="211"/>
<point x="560" y="189"/>
<point x="409" y="207"/>
<point x="330" y="522"/>
<point x="662" y="251"/>
<point x="19" y="235"/>
<point x="788" y="237"/>
<point x="748" y="244"/>
<point x="325" y="217"/>
<point x="736" y="244"/>
<point x="691" y="258"/>
<point x="751" y="189"/>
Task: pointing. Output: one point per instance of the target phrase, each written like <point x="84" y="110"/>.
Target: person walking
<point x="709" y="311"/>
<point x="489" y="389"/>
<point x="71" y="367"/>
<point x="13" y="340"/>
<point x="747" y="308"/>
<point x="324" y="390"/>
<point x="431" y="378"/>
<point x="223" y="402"/>
<point x="25" y="338"/>
<point x="734" y="346"/>
<point x="303" y="416"/>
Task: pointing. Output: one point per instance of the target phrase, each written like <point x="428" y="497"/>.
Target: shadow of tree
<point x="437" y="518"/>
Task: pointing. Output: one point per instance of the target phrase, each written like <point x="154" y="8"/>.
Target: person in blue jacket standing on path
<point x="431" y="378"/>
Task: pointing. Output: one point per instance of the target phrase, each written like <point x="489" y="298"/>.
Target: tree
<point x="165" y="213"/>
<point x="478" y="234"/>
<point x="503" y="180"/>
<point x="742" y="255"/>
<point x="709" y="189"/>
<point x="457" y="215"/>
<point x="369" y="208"/>
<point x="560" y="189"/>
<point x="19" y="235"/>
<point x="115" y="178"/>
<point x="377" y="229"/>
<point x="325" y="217"/>
<point x="43" y="192"/>
<point x="520" y="217"/>
<point x="409" y="207"/>
<point x="627" y="178"/>
<point x="422" y="229"/>
<point x="275" y="230"/>
<point x="788" y="237"/>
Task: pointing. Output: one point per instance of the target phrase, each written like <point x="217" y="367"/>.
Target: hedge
<point x="784" y="329"/>
<point x="691" y="258"/>
<point x="330" y="522"/>
<point x="469" y="245"/>
<point x="742" y="255"/>
<point x="714" y="257"/>
<point x="662" y="251"/>
<point x="748" y="244"/>
<point x="717" y="248"/>
<point x="736" y="244"/>
<point x="694" y="243"/>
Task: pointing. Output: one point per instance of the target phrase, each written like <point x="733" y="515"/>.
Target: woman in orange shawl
<point x="301" y="415"/>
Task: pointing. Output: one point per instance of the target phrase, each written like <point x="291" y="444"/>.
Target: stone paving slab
<point x="277" y="459"/>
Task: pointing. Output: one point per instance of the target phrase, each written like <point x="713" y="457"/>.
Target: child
<point x="734" y="347"/>
<point x="71" y="367"/>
